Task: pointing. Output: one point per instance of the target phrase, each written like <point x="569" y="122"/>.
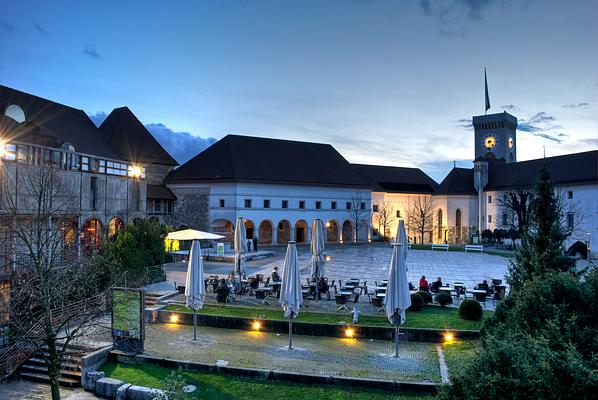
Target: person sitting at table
<point x="436" y="285"/>
<point x="423" y="284"/>
<point x="254" y="284"/>
<point x="275" y="275"/>
<point x="323" y="288"/>
<point x="484" y="286"/>
<point x="232" y="282"/>
<point x="222" y="292"/>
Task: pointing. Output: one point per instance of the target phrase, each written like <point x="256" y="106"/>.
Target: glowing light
<point x="256" y="325"/>
<point x="134" y="171"/>
<point x="349" y="332"/>
<point x="449" y="337"/>
<point x="327" y="224"/>
<point x="174" y="318"/>
<point x="2" y="149"/>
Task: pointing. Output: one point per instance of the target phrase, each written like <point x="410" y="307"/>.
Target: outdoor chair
<point x="377" y="303"/>
<point x="341" y="300"/>
<point x="354" y="300"/>
<point x="332" y="286"/>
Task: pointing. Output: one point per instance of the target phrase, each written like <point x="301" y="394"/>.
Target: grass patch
<point x="462" y="250"/>
<point x="459" y="353"/>
<point x="215" y="386"/>
<point x="431" y="317"/>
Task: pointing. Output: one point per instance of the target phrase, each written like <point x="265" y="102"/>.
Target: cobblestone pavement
<point x="21" y="390"/>
<point x="313" y="355"/>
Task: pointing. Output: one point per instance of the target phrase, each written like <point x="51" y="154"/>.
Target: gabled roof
<point x="396" y="179"/>
<point x="237" y="158"/>
<point x="458" y="182"/>
<point x="577" y="168"/>
<point x="57" y="123"/>
<point x="132" y="140"/>
<point x="159" y="192"/>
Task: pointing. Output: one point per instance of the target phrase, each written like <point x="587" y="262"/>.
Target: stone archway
<point x="265" y="233"/>
<point x="347" y="232"/>
<point x="223" y="227"/>
<point x="301" y="234"/>
<point x="283" y="232"/>
<point x="114" y="226"/>
<point x="249" y="229"/>
<point x="93" y="235"/>
<point x="332" y="231"/>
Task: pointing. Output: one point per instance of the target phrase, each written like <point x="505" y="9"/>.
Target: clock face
<point x="490" y="142"/>
<point x="510" y="143"/>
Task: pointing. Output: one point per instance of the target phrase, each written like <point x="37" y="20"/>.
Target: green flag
<point x="486" y="87"/>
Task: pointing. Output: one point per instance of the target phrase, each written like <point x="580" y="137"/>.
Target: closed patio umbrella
<point x="240" y="250"/>
<point x="195" y="290"/>
<point x="290" y="288"/>
<point x="398" y="298"/>
<point x="317" y="251"/>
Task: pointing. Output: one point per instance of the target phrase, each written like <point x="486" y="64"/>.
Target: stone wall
<point x="190" y="209"/>
<point x="155" y="174"/>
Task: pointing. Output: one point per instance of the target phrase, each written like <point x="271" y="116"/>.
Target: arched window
<point x="458" y="225"/>
<point x="439" y="218"/>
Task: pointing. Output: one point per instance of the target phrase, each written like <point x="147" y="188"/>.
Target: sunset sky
<point x="385" y="82"/>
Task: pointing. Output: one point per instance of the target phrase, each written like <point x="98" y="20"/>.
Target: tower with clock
<point x="495" y="137"/>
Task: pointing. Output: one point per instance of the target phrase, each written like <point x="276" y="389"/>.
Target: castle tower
<point x="495" y="137"/>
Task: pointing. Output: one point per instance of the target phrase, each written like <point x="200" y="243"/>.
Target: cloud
<point x="542" y="125"/>
<point x="90" y="50"/>
<point x="181" y="145"/>
<point x="40" y="29"/>
<point x="6" y="27"/>
<point x="510" y="107"/>
<point x="465" y="123"/>
<point x="578" y="105"/>
<point x="454" y="15"/>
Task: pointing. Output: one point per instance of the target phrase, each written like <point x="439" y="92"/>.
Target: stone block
<point x="141" y="393"/>
<point x="107" y="387"/>
<point x="89" y="382"/>
<point x="121" y="393"/>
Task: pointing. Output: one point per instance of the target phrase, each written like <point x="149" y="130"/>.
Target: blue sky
<point x="386" y="82"/>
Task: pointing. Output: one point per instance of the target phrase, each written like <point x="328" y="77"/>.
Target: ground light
<point x="174" y="318"/>
<point x="449" y="337"/>
<point x="349" y="332"/>
<point x="256" y="325"/>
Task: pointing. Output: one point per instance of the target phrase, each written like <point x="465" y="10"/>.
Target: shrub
<point x="426" y="296"/>
<point x="443" y="299"/>
<point x="417" y="302"/>
<point x="471" y="310"/>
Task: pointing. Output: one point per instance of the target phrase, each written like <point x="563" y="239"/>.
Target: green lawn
<point x="458" y="353"/>
<point x="431" y="317"/>
<point x="215" y="386"/>
<point x="462" y="249"/>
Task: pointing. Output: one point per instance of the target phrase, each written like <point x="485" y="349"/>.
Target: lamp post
<point x="589" y="246"/>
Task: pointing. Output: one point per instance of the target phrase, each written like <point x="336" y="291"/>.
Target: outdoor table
<point x="381" y="295"/>
<point x="445" y="289"/>
<point x="480" y="295"/>
<point x="345" y="292"/>
<point x="381" y="288"/>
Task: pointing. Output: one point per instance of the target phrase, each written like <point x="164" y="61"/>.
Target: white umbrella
<point x="290" y="288"/>
<point x="192" y="234"/>
<point x="317" y="251"/>
<point x="398" y="298"/>
<point x="195" y="290"/>
<point x="240" y="249"/>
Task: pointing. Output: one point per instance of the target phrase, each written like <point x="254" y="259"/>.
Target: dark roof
<point x="159" y="192"/>
<point x="132" y="140"/>
<point x="396" y="179"/>
<point x="237" y="158"/>
<point x="458" y="182"/>
<point x="577" y="168"/>
<point x="57" y="123"/>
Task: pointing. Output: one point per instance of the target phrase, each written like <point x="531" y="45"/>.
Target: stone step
<point x="66" y="373"/>
<point x="66" y="364"/>
<point x="43" y="377"/>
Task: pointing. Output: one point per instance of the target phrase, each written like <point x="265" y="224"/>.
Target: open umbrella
<point x="192" y="234"/>
<point x="240" y="249"/>
<point x="195" y="290"/>
<point x="290" y="288"/>
<point x="398" y="298"/>
<point x="317" y="252"/>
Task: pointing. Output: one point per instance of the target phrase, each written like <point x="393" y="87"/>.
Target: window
<point x="266" y="203"/>
<point x="285" y="204"/>
<point x="570" y="221"/>
<point x="375" y="207"/>
<point x="301" y="203"/>
<point x="247" y="203"/>
<point x="398" y="213"/>
<point x="93" y="197"/>
<point x="221" y="203"/>
<point x="348" y="205"/>
<point x="362" y="205"/>
<point x="157" y="205"/>
<point x="489" y="219"/>
<point x="489" y="199"/>
<point x="318" y="205"/>
<point x="569" y="194"/>
<point x="333" y="205"/>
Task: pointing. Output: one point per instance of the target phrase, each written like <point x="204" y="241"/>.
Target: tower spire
<point x="487" y="105"/>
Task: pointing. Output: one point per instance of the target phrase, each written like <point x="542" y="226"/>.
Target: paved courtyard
<point x="312" y="355"/>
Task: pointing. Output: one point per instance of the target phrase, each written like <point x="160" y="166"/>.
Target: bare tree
<point x="52" y="300"/>
<point x="420" y="215"/>
<point x="357" y="212"/>
<point x="515" y="204"/>
<point x="384" y="217"/>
